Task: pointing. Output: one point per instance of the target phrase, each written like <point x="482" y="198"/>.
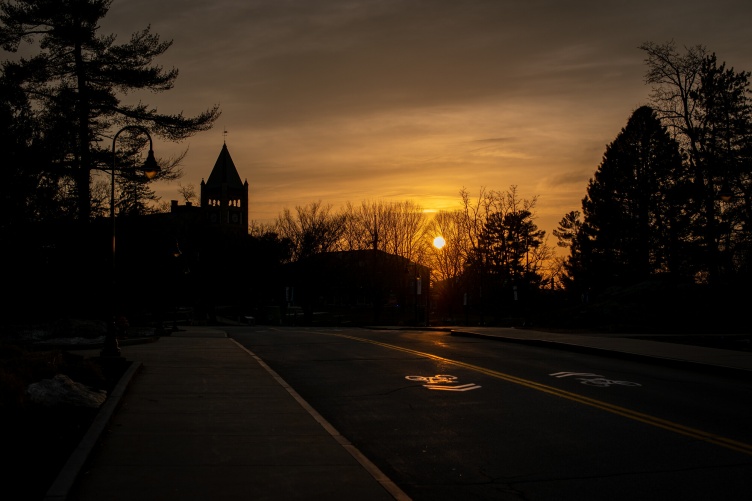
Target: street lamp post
<point x="150" y="169"/>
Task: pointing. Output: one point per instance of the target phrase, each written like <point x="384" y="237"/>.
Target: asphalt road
<point x="450" y="417"/>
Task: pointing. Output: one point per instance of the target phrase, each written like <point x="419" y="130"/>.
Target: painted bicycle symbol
<point x="590" y="379"/>
<point x="438" y="378"/>
<point x="442" y="382"/>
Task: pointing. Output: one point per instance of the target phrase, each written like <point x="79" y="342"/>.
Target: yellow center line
<point x="614" y="409"/>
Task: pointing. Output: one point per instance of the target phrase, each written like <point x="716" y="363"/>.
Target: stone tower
<point x="224" y="197"/>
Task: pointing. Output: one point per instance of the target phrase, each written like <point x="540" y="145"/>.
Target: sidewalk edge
<point x="61" y="487"/>
<point x="371" y="468"/>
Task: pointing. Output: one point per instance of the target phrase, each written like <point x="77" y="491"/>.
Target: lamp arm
<point x="132" y="127"/>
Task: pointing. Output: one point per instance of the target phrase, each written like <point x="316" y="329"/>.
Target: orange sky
<point x="413" y="100"/>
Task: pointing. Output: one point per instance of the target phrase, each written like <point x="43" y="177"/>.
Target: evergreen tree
<point x="16" y="144"/>
<point x="632" y="217"/>
<point x="568" y="228"/>
<point x="76" y="78"/>
<point x="509" y="239"/>
<point x="567" y="235"/>
<point x="726" y="138"/>
<point x="707" y="106"/>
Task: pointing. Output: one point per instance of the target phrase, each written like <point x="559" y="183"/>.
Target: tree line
<point x="670" y="199"/>
<point x="672" y="195"/>
<point x="493" y="245"/>
<point x="670" y="203"/>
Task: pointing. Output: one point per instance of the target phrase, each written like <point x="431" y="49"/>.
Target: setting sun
<point x="439" y="242"/>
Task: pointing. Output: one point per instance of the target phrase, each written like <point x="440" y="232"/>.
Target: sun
<point x="439" y="242"/>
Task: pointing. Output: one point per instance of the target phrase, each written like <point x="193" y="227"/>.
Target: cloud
<point x="349" y="100"/>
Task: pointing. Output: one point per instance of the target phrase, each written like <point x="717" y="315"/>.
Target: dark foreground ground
<point x="37" y="441"/>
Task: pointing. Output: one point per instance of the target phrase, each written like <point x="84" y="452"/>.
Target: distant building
<point x="358" y="287"/>
<point x="209" y="240"/>
<point x="223" y="198"/>
<point x="214" y="263"/>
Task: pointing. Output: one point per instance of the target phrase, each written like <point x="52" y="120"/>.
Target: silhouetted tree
<point x="632" y="212"/>
<point x="448" y="263"/>
<point x="398" y="228"/>
<point x="568" y="228"/>
<point x="188" y="193"/>
<point x="313" y="229"/>
<point x="135" y="197"/>
<point x="506" y="248"/>
<point x="727" y="112"/>
<point x="707" y="106"/>
<point x="567" y="234"/>
<point x="509" y="241"/>
<point x="75" y="78"/>
<point x="16" y="143"/>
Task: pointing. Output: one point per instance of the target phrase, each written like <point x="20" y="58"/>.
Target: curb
<point x="61" y="487"/>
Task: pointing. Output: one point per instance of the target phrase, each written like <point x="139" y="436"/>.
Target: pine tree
<point x="509" y="240"/>
<point x="631" y="218"/>
<point x="707" y="107"/>
<point x="77" y="77"/>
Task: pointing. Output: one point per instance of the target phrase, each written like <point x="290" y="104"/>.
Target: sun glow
<point x="439" y="242"/>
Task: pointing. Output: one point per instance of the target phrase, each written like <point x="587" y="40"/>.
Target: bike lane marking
<point x="449" y="383"/>
<point x="665" y="424"/>
<point x="463" y="387"/>
<point x="590" y="379"/>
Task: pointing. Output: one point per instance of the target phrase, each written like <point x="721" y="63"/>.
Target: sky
<point x="392" y="100"/>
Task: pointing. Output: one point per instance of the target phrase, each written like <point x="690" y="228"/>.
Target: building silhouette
<point x="224" y="197"/>
<point x="219" y="269"/>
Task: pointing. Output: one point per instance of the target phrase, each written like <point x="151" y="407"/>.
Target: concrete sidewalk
<point x="205" y="419"/>
<point x="199" y="417"/>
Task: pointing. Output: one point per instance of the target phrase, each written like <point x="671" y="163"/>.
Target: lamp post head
<point x="151" y="167"/>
